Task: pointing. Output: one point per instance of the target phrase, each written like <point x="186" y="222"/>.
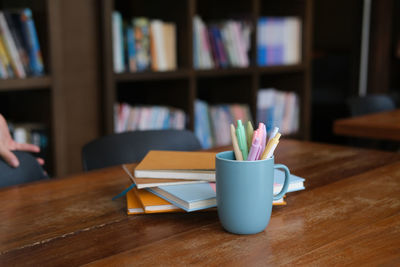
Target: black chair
<point x="132" y="146"/>
<point x="28" y="170"/>
<point x="370" y="104"/>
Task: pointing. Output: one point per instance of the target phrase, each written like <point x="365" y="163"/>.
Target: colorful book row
<point x="142" y="44"/>
<point x="278" y="109"/>
<point x="221" y="45"/>
<point x="20" y="54"/>
<point x="278" y="41"/>
<point x="130" y="118"/>
<point x="212" y="122"/>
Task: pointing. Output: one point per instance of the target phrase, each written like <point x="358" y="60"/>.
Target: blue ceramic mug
<point x="245" y="192"/>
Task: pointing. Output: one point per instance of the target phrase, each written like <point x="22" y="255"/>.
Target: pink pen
<point x="255" y="150"/>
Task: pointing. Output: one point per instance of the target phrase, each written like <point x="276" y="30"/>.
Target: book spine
<point x="131" y="49"/>
<point x="118" y="44"/>
<point x="16" y="36"/>
<point x="32" y="41"/>
<point x="11" y="48"/>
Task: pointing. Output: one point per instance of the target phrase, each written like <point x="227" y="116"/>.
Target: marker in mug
<point x="249" y="133"/>
<point x="241" y="137"/>
<point x="263" y="138"/>
<point x="236" y="148"/>
<point x="273" y="133"/>
<point x="255" y="149"/>
<point x="269" y="150"/>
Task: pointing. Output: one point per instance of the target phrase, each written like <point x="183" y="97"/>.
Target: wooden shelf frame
<point x="252" y="74"/>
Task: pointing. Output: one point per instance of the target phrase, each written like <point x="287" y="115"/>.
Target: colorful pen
<point x="249" y="133"/>
<point x="236" y="149"/>
<point x="273" y="133"/>
<point x="241" y="137"/>
<point x="269" y="150"/>
<point x="255" y="149"/>
<point x="263" y="130"/>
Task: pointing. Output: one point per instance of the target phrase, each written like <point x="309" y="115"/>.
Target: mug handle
<point x="285" y="184"/>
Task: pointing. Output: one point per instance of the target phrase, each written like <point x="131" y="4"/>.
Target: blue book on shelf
<point x="29" y="31"/>
<point x="261" y="45"/>
<point x="189" y="197"/>
<point x="130" y="40"/>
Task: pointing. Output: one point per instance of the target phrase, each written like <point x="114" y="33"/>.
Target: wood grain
<point x="383" y="125"/>
<point x="351" y="201"/>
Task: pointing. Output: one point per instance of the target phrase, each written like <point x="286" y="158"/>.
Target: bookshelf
<point x="181" y="87"/>
<point x="36" y="99"/>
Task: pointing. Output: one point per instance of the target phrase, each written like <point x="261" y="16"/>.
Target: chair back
<point x="370" y="104"/>
<point x="28" y="170"/>
<point x="132" y="146"/>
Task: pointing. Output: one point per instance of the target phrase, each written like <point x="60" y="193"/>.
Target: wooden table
<point x="348" y="214"/>
<point x="383" y="125"/>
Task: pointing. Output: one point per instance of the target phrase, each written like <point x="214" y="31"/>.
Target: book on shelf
<point x="141" y="44"/>
<point x="177" y="165"/>
<point x="154" y="182"/>
<point x="280" y="109"/>
<point x="130" y="118"/>
<point x="221" y="44"/>
<point x="212" y="122"/>
<point x="278" y="41"/>
<point x="20" y="54"/>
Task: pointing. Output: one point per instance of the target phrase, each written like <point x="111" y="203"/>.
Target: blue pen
<point x="241" y="136"/>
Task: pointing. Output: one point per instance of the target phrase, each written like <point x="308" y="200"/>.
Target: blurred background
<point x="72" y="71"/>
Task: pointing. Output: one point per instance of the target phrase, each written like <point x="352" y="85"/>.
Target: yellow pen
<point x="236" y="149"/>
<point x="249" y="133"/>
<point x="270" y="148"/>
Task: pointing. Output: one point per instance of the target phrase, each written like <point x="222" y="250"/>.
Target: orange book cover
<point x="152" y="203"/>
<point x="177" y="165"/>
<point x="133" y="204"/>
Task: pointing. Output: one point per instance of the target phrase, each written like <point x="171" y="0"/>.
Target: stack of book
<point x="278" y="41"/>
<point x="212" y="122"/>
<point x="278" y="108"/>
<point x="20" y="54"/>
<point x="130" y="118"/>
<point x="221" y="45"/>
<point x="143" y="44"/>
<point x="174" y="181"/>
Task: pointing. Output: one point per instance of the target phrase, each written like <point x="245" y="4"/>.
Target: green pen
<point x="241" y="136"/>
<point x="249" y="133"/>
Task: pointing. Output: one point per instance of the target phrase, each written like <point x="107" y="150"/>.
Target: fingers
<point x="40" y="161"/>
<point x="27" y="147"/>
<point x="10" y="158"/>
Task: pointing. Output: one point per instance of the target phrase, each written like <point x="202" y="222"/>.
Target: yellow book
<point x="151" y="203"/>
<point x="133" y="204"/>
<point x="5" y="60"/>
<point x="177" y="165"/>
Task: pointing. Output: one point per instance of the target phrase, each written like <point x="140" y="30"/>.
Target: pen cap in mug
<point x="245" y="192"/>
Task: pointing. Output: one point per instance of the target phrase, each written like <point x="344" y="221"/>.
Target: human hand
<point x="7" y="144"/>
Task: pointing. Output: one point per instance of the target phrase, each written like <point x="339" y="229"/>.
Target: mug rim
<point x="218" y="156"/>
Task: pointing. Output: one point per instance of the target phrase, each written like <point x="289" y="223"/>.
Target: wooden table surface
<point x="348" y="214"/>
<point x="383" y="125"/>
